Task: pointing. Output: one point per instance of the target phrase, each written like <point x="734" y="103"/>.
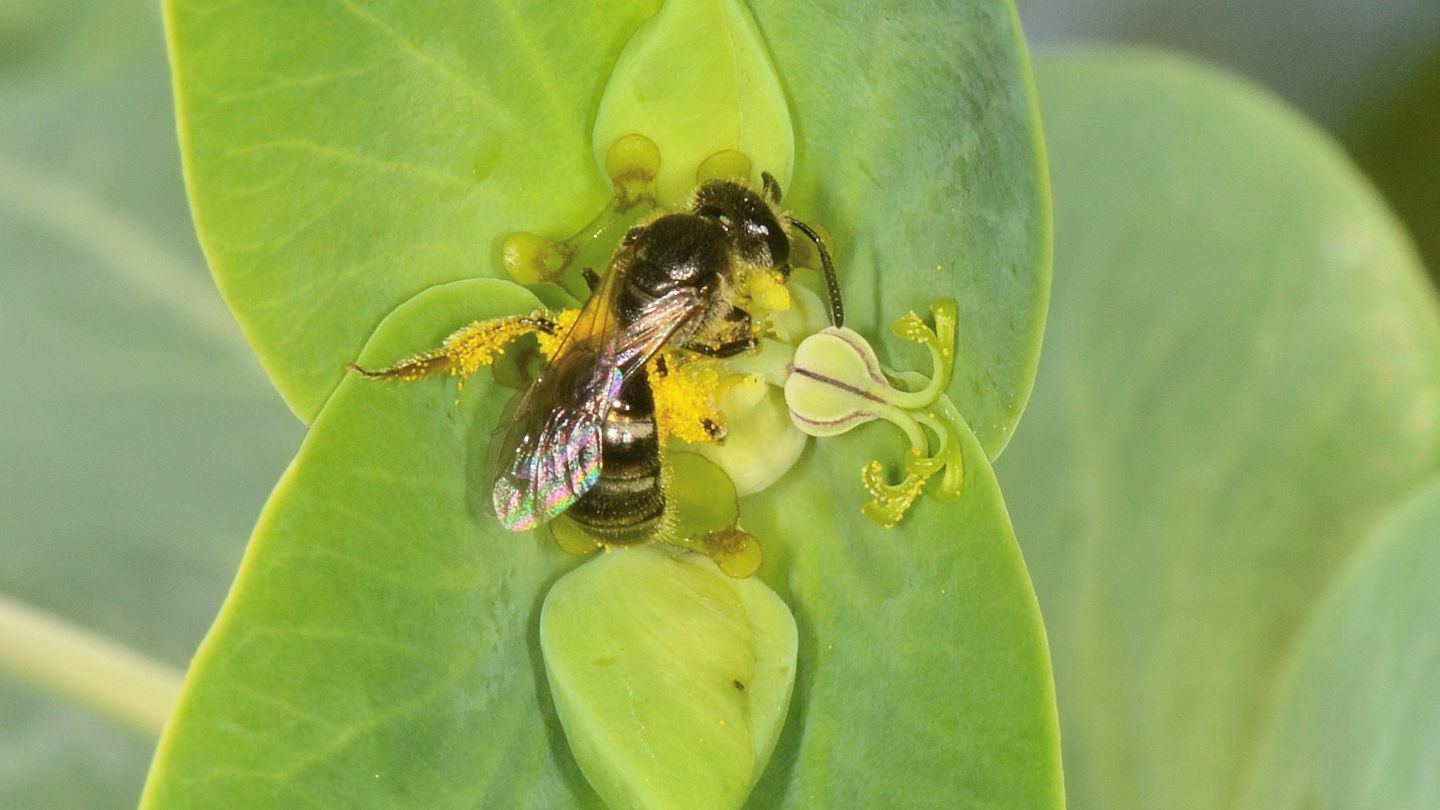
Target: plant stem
<point x="96" y="671"/>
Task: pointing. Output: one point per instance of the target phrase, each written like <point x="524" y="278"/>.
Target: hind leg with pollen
<point x="468" y="349"/>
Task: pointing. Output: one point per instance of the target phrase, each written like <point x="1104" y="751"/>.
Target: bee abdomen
<point x="627" y="502"/>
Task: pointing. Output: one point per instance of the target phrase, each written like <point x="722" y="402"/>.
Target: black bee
<point x="583" y="439"/>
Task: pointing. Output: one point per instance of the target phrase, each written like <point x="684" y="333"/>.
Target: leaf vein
<point x="404" y="169"/>
<point x="420" y="55"/>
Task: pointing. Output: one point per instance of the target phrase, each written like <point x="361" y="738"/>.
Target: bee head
<point x="750" y="223"/>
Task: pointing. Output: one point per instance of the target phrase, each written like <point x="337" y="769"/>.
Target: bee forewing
<point x="551" y="451"/>
<point x="543" y="483"/>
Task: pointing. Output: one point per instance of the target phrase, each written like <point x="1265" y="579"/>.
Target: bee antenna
<point x="771" y="187"/>
<point x="832" y="284"/>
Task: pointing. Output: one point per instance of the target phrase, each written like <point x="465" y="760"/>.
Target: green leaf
<point x="1355" y="723"/>
<point x="924" y="678"/>
<point x="139" y="435"/>
<point x="385" y="625"/>
<point x="1242" y="374"/>
<point x="380" y="147"/>
<point x="342" y="157"/>
<point x="917" y="144"/>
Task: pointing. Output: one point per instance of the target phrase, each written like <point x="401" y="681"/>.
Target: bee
<point x="583" y="439"/>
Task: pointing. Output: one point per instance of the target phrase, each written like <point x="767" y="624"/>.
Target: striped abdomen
<point x="628" y="500"/>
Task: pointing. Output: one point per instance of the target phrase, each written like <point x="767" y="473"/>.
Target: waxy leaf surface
<point x="1242" y="374"/>
<point x="924" y="677"/>
<point x="917" y="144"/>
<point x="1357" y="720"/>
<point x="384" y="625"/>
<point x="344" y="156"/>
<point x="379" y="647"/>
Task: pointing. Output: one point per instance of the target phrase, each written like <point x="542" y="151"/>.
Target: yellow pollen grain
<point x="481" y="342"/>
<point x="765" y="291"/>
<point x="685" y="397"/>
<point x="890" y="502"/>
<point x="550" y="342"/>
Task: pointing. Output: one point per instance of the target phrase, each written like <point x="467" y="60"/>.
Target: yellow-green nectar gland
<point x="727" y="164"/>
<point x="632" y="165"/>
<point x="836" y="382"/>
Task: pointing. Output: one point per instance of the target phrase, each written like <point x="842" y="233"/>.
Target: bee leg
<point x="591" y="279"/>
<point x="464" y="351"/>
<point x="737" y="338"/>
<point x="407" y="370"/>
<point x="715" y="430"/>
<point x="723" y="349"/>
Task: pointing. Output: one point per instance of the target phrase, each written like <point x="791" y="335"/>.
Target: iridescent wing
<point x="551" y="453"/>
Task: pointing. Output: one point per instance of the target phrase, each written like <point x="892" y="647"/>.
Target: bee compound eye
<point x="770" y="235"/>
<point x="779" y="248"/>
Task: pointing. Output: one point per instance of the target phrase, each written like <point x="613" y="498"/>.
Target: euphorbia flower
<point x="382" y="645"/>
<point x="836" y="383"/>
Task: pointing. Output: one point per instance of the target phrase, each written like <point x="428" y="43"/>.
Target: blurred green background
<point x="140" y="438"/>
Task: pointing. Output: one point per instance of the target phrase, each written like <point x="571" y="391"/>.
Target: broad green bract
<point x="1241" y="379"/>
<point x="363" y="170"/>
